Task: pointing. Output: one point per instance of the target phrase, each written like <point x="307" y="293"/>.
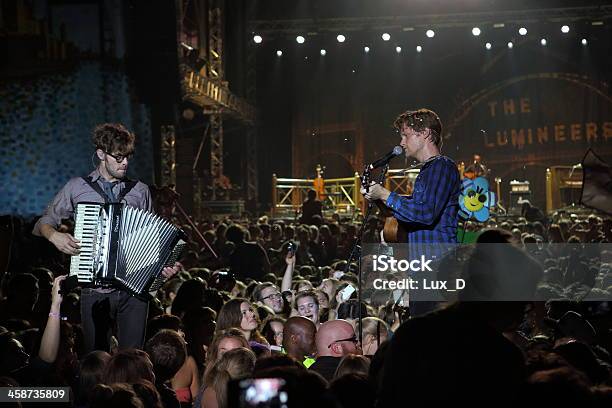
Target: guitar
<point x="319" y="184"/>
<point x="393" y="231"/>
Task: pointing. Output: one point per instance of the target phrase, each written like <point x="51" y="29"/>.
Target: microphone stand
<point x="356" y="249"/>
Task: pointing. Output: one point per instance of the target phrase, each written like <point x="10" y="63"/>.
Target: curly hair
<point x="421" y="120"/>
<point x="113" y="138"/>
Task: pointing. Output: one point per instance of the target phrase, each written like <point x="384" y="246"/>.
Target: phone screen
<point x="259" y="392"/>
<point x="347" y="292"/>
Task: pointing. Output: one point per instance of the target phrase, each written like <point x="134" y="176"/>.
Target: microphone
<point x="383" y="161"/>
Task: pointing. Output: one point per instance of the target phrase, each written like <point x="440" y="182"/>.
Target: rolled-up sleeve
<point x="59" y="208"/>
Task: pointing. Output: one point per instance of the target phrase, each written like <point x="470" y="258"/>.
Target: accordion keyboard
<point x="85" y="230"/>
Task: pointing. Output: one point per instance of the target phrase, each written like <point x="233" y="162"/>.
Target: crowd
<point x="280" y="301"/>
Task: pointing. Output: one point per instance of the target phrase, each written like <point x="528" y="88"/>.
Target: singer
<point x="430" y="214"/>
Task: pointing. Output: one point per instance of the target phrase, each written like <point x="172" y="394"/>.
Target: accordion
<point x="123" y="247"/>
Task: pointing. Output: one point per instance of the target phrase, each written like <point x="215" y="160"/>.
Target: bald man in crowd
<point x="299" y="339"/>
<point x="334" y="340"/>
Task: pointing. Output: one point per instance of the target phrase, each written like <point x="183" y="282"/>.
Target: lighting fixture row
<point x="419" y="48"/>
<point x="476" y="31"/>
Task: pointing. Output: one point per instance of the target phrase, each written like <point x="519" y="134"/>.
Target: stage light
<point x="398" y="49"/>
<point x="430" y="33"/>
<point x="419" y="48"/>
<point x="366" y="49"/>
<point x="340" y="38"/>
<point x="510" y="45"/>
<point x="476" y="31"/>
<point x="323" y="52"/>
<point x="488" y="46"/>
<point x="565" y="29"/>
<point x="522" y="31"/>
<point x="386" y="37"/>
<point x="543" y="41"/>
<point x="279" y="53"/>
<point x="300" y="39"/>
<point x="187" y="46"/>
<point x="257" y="39"/>
<point x="584" y="41"/>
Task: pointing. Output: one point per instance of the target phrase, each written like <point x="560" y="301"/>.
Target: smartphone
<point x="291" y="248"/>
<point x="338" y="274"/>
<point x="346" y="293"/>
<point x="258" y="392"/>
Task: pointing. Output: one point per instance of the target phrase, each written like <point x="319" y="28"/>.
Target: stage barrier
<point x="341" y="195"/>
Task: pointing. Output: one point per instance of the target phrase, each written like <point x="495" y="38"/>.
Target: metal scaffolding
<point x="168" y="156"/>
<point x="207" y="88"/>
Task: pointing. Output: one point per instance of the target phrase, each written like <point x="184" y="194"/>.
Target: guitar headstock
<point x="320" y="170"/>
<point x="365" y="177"/>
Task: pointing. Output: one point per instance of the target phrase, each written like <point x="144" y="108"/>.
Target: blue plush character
<point x="475" y="199"/>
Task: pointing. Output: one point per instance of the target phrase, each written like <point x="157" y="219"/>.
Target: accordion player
<point x="123" y="247"/>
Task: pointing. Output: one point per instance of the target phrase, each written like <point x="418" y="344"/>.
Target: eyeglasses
<point x="352" y="339"/>
<point x="273" y="296"/>
<point x="120" y="157"/>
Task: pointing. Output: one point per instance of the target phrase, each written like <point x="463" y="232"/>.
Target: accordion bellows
<point x="124" y="247"/>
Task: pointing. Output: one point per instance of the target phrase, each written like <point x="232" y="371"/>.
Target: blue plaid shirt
<point x="430" y="213"/>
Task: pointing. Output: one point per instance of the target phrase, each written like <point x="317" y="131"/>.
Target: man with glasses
<point x="268" y="294"/>
<point x="334" y="340"/>
<point x="106" y="184"/>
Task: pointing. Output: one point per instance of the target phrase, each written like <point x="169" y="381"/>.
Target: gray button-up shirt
<point x="77" y="191"/>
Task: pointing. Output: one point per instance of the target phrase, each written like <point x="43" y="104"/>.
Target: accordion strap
<point x="128" y="185"/>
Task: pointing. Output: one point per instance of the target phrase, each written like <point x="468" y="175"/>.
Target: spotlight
<point x="279" y="53"/>
<point x="366" y="49"/>
<point x="300" y="39"/>
<point x="386" y="37"/>
<point x="398" y="49"/>
<point x="488" y="46"/>
<point x="565" y="29"/>
<point x="340" y="38"/>
<point x="476" y="31"/>
<point x="522" y="31"/>
<point x="510" y="45"/>
<point x="584" y="41"/>
<point x="323" y="52"/>
<point x="419" y="48"/>
<point x="257" y="39"/>
<point x="543" y="41"/>
<point x="430" y="33"/>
